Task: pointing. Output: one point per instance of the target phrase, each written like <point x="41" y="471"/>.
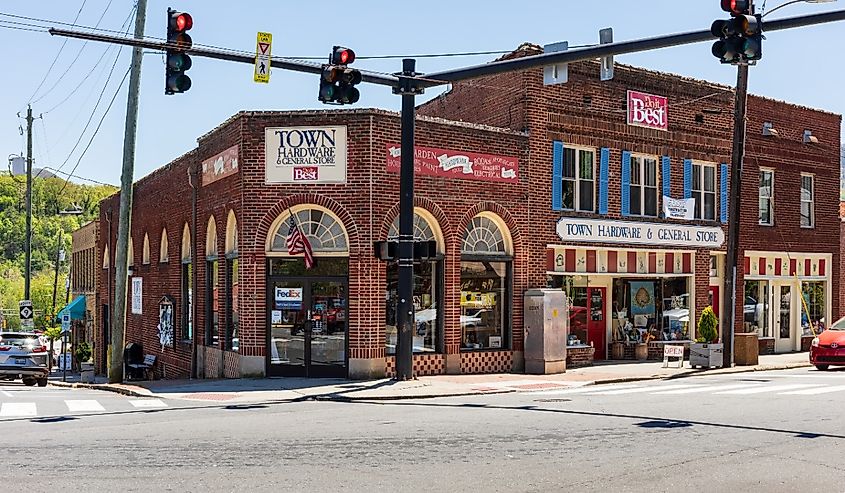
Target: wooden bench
<point x="144" y="368"/>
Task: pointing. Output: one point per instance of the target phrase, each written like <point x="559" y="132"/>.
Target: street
<point x="761" y="431"/>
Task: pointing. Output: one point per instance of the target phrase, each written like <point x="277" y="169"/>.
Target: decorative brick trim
<point x="487" y="362"/>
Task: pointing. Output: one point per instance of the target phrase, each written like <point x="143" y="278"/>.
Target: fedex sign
<point x="648" y="110"/>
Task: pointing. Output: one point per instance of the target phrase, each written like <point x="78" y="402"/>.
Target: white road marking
<point x="586" y="389"/>
<point x="817" y="390"/>
<point x="9" y="409"/>
<point x="707" y="388"/>
<point x="766" y="388"/>
<point x="147" y="403"/>
<point x="76" y="406"/>
<point x="635" y="390"/>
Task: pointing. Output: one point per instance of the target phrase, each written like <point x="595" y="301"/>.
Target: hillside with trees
<point x="50" y="196"/>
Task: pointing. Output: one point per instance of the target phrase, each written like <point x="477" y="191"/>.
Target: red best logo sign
<point x="647" y="110"/>
<point x="309" y="173"/>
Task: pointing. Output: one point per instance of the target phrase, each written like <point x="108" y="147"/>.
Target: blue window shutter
<point x="557" y="175"/>
<point x="687" y="178"/>
<point x="603" y="172"/>
<point x="667" y="182"/>
<point x="626" y="183"/>
<point x="723" y="189"/>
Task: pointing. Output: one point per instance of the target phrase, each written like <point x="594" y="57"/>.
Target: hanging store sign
<point x="305" y="154"/>
<point x="626" y="232"/>
<point x="220" y="166"/>
<point x="678" y="208"/>
<point x="648" y="110"/>
<point x="431" y="161"/>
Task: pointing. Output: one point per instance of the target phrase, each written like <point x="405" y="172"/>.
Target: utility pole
<point x="732" y="257"/>
<point x="405" y="311"/>
<point x="56" y="276"/>
<point x="123" y="225"/>
<point x="28" y="241"/>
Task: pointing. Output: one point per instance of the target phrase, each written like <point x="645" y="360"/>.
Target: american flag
<point x="297" y="243"/>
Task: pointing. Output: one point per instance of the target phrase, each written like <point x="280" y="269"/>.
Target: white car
<point x="23" y="356"/>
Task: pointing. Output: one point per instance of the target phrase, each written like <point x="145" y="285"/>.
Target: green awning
<point x="76" y="308"/>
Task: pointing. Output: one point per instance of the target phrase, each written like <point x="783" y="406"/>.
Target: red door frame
<point x="597" y="329"/>
<point x="716" y="299"/>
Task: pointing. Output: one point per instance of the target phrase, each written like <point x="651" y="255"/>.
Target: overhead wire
<point x="78" y="54"/>
<point x="96" y="130"/>
<point x="70" y="175"/>
<point x="56" y="58"/>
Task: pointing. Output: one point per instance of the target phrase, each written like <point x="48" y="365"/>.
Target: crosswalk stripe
<point x="635" y="390"/>
<point x="9" y="409"/>
<point x="147" y="403"/>
<point x="767" y="388"/>
<point x="584" y="390"/>
<point x="817" y="390"/>
<point x="706" y="388"/>
<point x="76" y="406"/>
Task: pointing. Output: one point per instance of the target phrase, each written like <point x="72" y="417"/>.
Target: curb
<point x="702" y="372"/>
<point x="344" y="398"/>
<point x="101" y="386"/>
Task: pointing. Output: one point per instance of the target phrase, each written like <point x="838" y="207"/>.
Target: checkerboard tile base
<point x="487" y="362"/>
<point x="424" y="365"/>
<point x="231" y="364"/>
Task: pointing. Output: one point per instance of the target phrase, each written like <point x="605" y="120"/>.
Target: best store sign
<point x="648" y="110"/>
<point x="305" y="154"/>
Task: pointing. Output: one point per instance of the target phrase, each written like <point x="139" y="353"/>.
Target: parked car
<point x="829" y="347"/>
<point x="22" y="356"/>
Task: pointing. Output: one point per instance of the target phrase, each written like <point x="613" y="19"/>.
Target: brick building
<point x="520" y="186"/>
<point x="84" y="275"/>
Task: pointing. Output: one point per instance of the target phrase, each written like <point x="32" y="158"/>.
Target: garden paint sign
<point x="432" y="161"/>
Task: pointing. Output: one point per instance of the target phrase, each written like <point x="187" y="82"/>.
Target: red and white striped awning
<point x="782" y="265"/>
<point x="565" y="260"/>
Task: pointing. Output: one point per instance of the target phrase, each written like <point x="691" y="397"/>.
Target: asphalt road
<point x="763" y="431"/>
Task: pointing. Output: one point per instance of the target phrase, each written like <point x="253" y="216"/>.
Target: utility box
<point x="546" y="329"/>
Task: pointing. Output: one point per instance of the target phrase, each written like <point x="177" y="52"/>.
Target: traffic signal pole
<point x="121" y="271"/>
<point x="405" y="311"/>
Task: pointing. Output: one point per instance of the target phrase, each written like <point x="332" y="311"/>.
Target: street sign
<point x="263" y="44"/>
<point x="26" y="314"/>
<point x="65" y="322"/>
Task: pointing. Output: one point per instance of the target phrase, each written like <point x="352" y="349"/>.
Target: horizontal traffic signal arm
<point x="447" y="76"/>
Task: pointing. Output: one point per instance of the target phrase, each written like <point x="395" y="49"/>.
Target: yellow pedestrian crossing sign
<point x="263" y="44"/>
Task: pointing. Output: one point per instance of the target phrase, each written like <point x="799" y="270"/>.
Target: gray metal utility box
<point x="546" y="329"/>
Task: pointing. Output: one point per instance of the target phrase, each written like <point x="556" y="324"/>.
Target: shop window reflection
<point x="483" y="304"/>
<point x="813" y="309"/>
<point x="646" y="310"/>
<point x="427" y="309"/>
<point x="756" y="308"/>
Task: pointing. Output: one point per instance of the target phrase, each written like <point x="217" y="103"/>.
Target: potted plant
<point x="705" y="352"/>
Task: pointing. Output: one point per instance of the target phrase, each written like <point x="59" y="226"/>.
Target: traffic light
<point x="741" y="36"/>
<point x="177" y="62"/>
<point x="337" y="80"/>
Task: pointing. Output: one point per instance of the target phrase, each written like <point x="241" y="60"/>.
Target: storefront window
<point x="756" y="308"/>
<point x="187" y="302"/>
<point x="212" y="314"/>
<point x="233" y="313"/>
<point x="428" y="292"/>
<point x="646" y="310"/>
<point x="485" y="285"/>
<point x="813" y="311"/>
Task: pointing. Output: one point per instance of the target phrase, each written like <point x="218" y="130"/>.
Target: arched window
<point x="428" y="289"/>
<point x="212" y="314"/>
<point x="486" y="278"/>
<point x="163" y="255"/>
<point x="130" y="252"/>
<point x="322" y="229"/>
<point x="187" y="286"/>
<point x="106" y="258"/>
<point x="232" y="266"/>
<point x="145" y="254"/>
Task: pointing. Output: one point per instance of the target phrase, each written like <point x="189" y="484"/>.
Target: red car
<point x="829" y="347"/>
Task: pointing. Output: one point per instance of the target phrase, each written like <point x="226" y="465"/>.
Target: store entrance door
<point x="596" y="321"/>
<point x="307" y="327"/>
<point x="783" y="318"/>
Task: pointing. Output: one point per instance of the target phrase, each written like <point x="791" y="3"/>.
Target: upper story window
<point x="807" y="201"/>
<point x="579" y="179"/>
<point x="766" y="197"/>
<point x="704" y="190"/>
<point x="643" y="186"/>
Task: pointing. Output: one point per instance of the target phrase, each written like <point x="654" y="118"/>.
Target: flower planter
<point x="617" y="350"/>
<point x="705" y="355"/>
<point x="641" y="351"/>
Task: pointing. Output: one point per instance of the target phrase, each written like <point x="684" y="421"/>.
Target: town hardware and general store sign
<point x="305" y="154"/>
<point x="627" y="232"/>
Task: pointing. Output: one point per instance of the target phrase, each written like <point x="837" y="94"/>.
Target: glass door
<point x="596" y="323"/>
<point x="784" y="328"/>
<point x="308" y="326"/>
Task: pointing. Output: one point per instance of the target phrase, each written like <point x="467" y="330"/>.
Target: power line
<point x="96" y="130"/>
<point x="57" y="54"/>
<point x="97" y="64"/>
<point x="99" y="99"/>
<point x="71" y="175"/>
<point x="78" y="54"/>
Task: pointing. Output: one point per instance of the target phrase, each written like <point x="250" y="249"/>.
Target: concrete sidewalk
<point x="291" y="389"/>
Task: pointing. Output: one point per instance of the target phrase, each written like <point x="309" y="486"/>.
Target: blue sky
<point x="169" y="125"/>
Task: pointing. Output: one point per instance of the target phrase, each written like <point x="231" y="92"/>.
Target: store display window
<point x="646" y="310"/>
<point x="755" y="308"/>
